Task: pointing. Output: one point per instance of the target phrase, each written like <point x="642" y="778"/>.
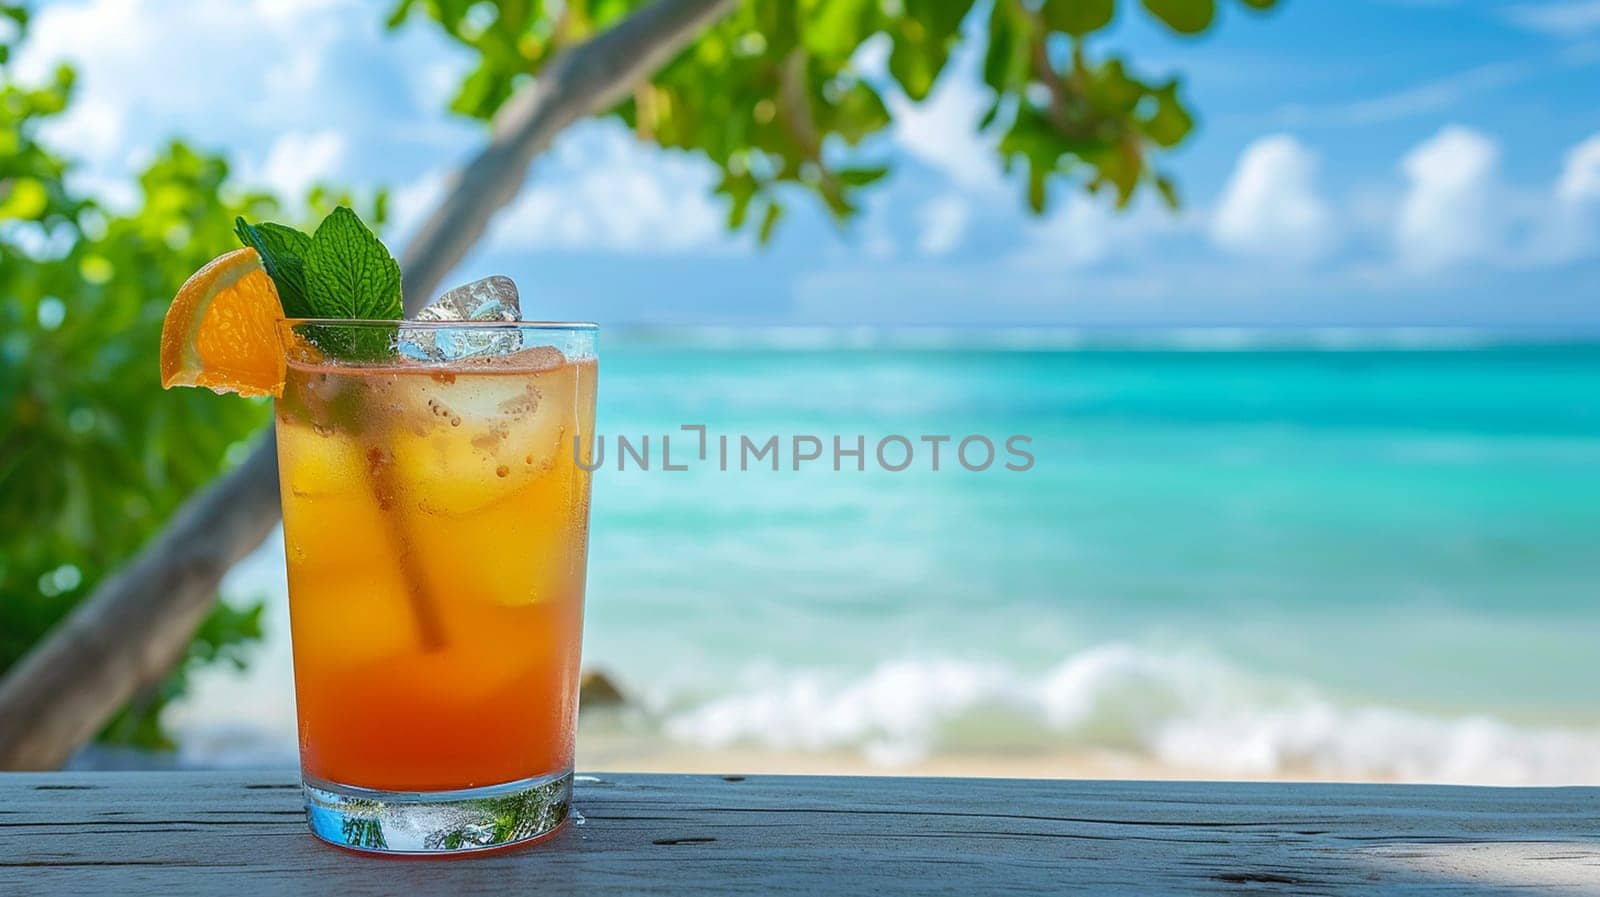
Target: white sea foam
<point x="1187" y="714"/>
<point x="1190" y="715"/>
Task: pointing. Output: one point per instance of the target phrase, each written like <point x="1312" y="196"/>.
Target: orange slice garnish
<point x="221" y="331"/>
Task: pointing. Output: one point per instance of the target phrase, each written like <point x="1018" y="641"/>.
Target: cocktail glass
<point x="436" y="516"/>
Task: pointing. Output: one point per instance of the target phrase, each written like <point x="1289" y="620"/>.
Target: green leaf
<point x="1171" y="121"/>
<point x="770" y="221"/>
<point x="860" y="177"/>
<point x="1260" y="5"/>
<point x="349" y="273"/>
<point x="860" y="112"/>
<point x="941" y="18"/>
<point x="989" y="116"/>
<point x="22" y="198"/>
<point x="1169" y="192"/>
<point x="1036" y="189"/>
<point x="740" y="190"/>
<point x="482" y="92"/>
<point x="913" y="65"/>
<point x="283" y="250"/>
<point x="837" y="27"/>
<point x="922" y="41"/>
<point x="1078" y="17"/>
<point x="1033" y="137"/>
<point x="398" y="15"/>
<point x="1183" y="16"/>
<point x="1111" y="90"/>
<point x="1005" y="61"/>
<point x="1121" y="170"/>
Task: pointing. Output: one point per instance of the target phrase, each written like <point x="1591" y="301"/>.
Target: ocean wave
<point x="1187" y="714"/>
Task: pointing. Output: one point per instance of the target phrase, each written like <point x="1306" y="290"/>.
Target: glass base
<point x="437" y="822"/>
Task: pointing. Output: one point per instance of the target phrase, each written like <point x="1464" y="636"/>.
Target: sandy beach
<point x="610" y="753"/>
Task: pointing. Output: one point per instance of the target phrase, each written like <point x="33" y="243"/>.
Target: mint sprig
<point x="283" y="250"/>
<point x="341" y="271"/>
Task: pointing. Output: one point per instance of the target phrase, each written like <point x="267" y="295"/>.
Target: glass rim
<point x="554" y="326"/>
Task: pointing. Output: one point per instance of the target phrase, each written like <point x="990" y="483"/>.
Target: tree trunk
<point x="130" y="632"/>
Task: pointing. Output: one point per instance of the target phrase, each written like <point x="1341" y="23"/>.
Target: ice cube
<point x="472" y="438"/>
<point x="490" y="299"/>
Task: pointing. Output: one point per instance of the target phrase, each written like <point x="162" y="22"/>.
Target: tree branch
<point x="1066" y="97"/>
<point x="588" y="79"/>
<point x="130" y="632"/>
<point x="1045" y="71"/>
<point x="794" y="107"/>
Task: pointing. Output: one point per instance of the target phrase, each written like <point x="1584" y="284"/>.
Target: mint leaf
<point x="283" y="250"/>
<point x="349" y="273"/>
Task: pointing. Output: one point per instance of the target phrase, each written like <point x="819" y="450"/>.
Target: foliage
<point x="93" y="456"/>
<point x="779" y="94"/>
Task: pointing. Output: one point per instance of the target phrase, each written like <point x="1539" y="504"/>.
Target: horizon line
<point x="1218" y="338"/>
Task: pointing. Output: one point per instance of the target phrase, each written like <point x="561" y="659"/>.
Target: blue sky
<point x="1369" y="162"/>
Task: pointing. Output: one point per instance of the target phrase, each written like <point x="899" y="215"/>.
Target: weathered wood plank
<point x="205" y="833"/>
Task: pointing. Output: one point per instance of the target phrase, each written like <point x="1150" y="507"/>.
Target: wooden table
<point x="237" y="834"/>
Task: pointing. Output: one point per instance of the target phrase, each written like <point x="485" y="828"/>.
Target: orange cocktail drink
<point x="435" y="483"/>
<point x="436" y="531"/>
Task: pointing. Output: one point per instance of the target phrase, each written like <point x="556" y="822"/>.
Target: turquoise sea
<point x="1336" y="554"/>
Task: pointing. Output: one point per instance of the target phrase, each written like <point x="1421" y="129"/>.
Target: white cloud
<point x="180" y="60"/>
<point x="1457" y="213"/>
<point x="1076" y="235"/>
<point x="1447" y="215"/>
<point x="79" y="33"/>
<point x="1564" y="18"/>
<point x="944" y="224"/>
<point x="1085" y="231"/>
<point x="434" y="84"/>
<point x="410" y="204"/>
<point x="1270" y="207"/>
<point x="294" y="12"/>
<point x="1570" y="228"/>
<point x="92" y="130"/>
<point x="1580" y="177"/>
<point x="86" y="36"/>
<point x="601" y="189"/>
<point x="231" y="76"/>
<point x="941" y="132"/>
<point x="151" y="70"/>
<point x="298" y="160"/>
